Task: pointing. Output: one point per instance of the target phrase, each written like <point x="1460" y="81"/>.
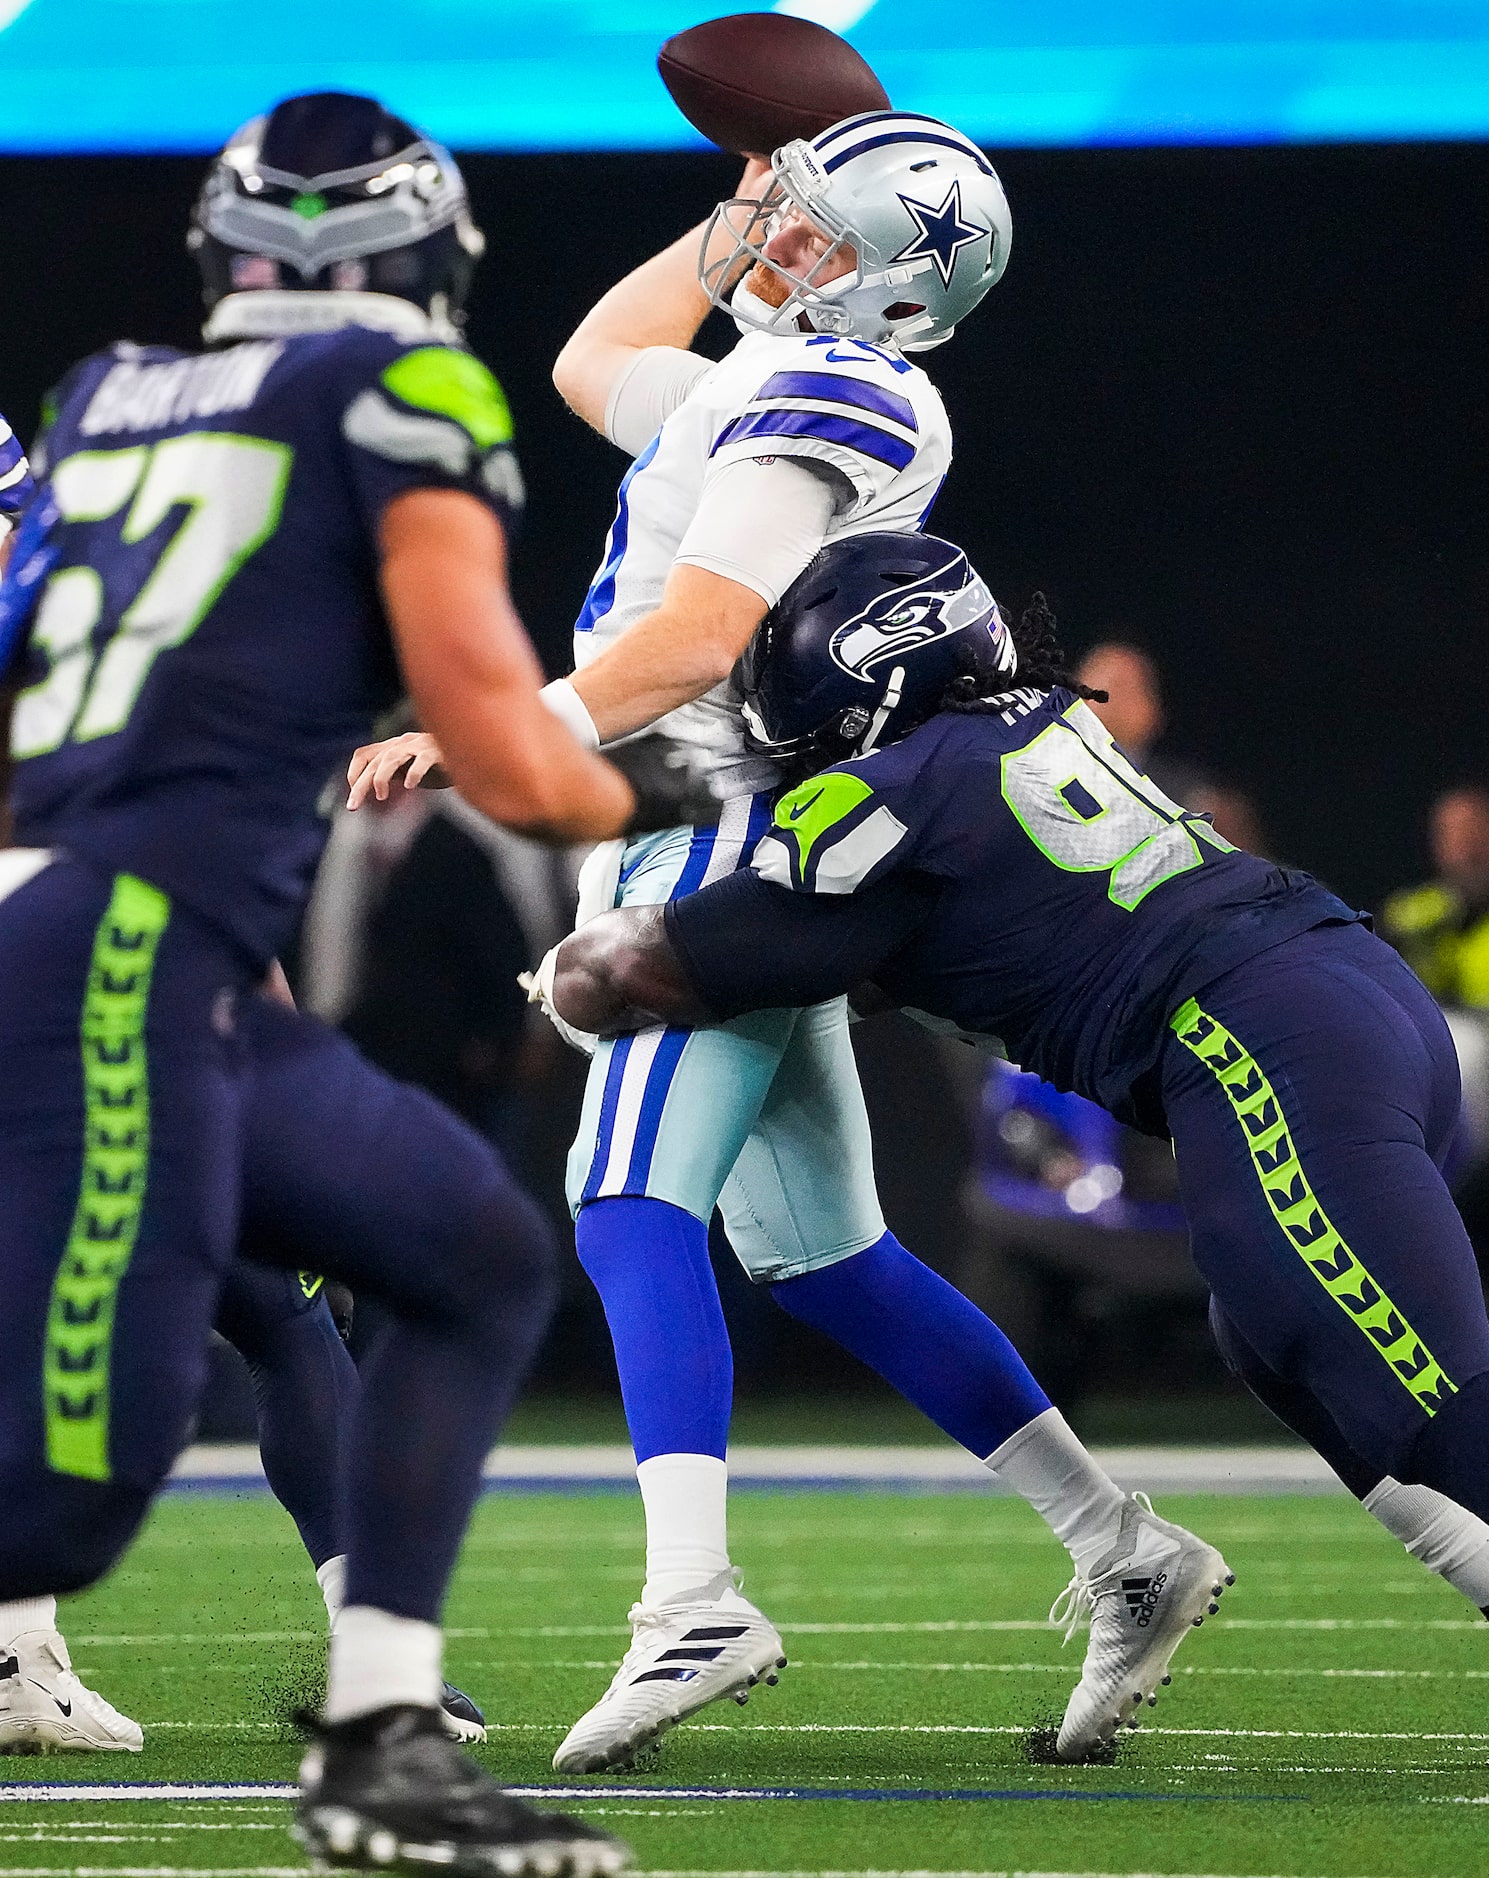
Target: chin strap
<point x="888" y="704"/>
<point x="284" y="312"/>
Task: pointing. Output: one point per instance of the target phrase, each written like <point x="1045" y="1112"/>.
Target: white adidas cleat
<point x="706" y="1645"/>
<point x="1156" y="1584"/>
<point x="44" y="1709"/>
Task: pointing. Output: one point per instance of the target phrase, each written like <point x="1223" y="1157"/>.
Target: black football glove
<point x="671" y="788"/>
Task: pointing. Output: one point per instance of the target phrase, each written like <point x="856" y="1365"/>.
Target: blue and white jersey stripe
<point x="836" y="388"/>
<point x="825" y="427"/>
<point x="852" y="412"/>
<point x="601" y="596"/>
<point x="16" y="486"/>
<point x="642" y="1067"/>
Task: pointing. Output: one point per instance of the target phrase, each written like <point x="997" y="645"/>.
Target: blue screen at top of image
<point x="179" y="75"/>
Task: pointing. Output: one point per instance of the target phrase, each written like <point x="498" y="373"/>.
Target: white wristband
<point x="569" y="708"/>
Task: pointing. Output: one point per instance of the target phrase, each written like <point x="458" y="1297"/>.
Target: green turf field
<point x="1329" y="1722"/>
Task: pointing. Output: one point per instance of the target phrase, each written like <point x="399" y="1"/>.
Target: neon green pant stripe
<point x="116" y="1160"/>
<point x="1296" y="1209"/>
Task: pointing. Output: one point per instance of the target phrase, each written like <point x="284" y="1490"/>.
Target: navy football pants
<point x="1311" y="1094"/>
<point x="138" y="1133"/>
<point x="305" y="1390"/>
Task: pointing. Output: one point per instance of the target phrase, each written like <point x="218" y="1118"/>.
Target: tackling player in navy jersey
<point x="256" y="548"/>
<point x="985" y="854"/>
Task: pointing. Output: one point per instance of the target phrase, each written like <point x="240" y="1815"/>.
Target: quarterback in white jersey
<point x="759" y="460"/>
<point x="843" y="256"/>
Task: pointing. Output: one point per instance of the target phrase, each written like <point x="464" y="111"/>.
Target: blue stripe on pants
<point x="613" y="1078"/>
<point x="649" y="1122"/>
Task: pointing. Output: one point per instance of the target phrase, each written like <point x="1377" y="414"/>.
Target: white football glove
<point x="539" y="988"/>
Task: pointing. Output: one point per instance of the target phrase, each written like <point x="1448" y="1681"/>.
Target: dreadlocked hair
<point x="1042" y="664"/>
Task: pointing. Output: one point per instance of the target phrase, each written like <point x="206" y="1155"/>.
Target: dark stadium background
<point x="1228" y="402"/>
<point x="1234" y="402"/>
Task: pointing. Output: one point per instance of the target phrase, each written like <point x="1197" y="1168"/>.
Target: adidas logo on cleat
<point x="1142" y="1595"/>
<point x="683" y="1664"/>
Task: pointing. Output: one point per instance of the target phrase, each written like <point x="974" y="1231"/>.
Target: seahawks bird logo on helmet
<point x="914" y="618"/>
<point x="866" y="644"/>
<point x="914" y="206"/>
<point x="331" y="193"/>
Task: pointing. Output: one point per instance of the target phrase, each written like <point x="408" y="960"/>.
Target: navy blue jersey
<point x="1011" y="872"/>
<point x="210" y="644"/>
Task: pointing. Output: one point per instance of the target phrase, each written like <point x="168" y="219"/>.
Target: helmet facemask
<point x="809" y="302"/>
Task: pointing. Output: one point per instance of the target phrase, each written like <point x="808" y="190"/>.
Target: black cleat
<point x="391" y="1792"/>
<point x="463" y="1720"/>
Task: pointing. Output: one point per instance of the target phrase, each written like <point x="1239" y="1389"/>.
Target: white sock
<point x="687" y="1523"/>
<point x="331" y="1577"/>
<point x="378" y="1659"/>
<point x="1078" y="1501"/>
<point x="26" y="1614"/>
<point x="1445" y="1536"/>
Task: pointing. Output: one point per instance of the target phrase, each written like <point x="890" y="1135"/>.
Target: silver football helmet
<point x="331" y="193"/>
<point x="918" y="206"/>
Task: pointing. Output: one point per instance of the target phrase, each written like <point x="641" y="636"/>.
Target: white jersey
<point x="866" y="412"/>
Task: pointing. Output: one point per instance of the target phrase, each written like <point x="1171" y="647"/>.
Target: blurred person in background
<point x="1134" y="714"/>
<point x="1441" y="929"/>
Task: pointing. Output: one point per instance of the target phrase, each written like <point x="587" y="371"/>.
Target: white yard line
<point x="170" y="1790"/>
<point x="885" y="1728"/>
<point x="1247" y="1470"/>
<point x="974" y="1625"/>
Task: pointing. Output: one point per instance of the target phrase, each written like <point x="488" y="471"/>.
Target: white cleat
<point x="44" y="1709"/>
<point x="706" y="1645"/>
<point x="1156" y="1584"/>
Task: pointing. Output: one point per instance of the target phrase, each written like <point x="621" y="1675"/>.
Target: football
<point x="753" y="81"/>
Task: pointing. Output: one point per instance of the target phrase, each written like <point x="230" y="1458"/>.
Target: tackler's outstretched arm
<point x="742" y="944"/>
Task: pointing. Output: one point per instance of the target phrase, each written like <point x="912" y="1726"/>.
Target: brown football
<point x="753" y="81"/>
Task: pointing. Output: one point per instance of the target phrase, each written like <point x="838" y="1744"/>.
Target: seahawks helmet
<point x="331" y="192"/>
<point x="917" y="204"/>
<point x="865" y="645"/>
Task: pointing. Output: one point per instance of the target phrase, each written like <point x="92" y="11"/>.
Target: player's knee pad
<point x="62" y="1534"/>
<point x="1452" y="1451"/>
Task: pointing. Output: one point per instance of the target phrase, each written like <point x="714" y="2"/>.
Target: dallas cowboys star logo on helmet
<point x="942" y="234"/>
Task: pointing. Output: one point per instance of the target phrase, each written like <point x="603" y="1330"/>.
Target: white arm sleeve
<point x="647" y="391"/>
<point x="760" y="522"/>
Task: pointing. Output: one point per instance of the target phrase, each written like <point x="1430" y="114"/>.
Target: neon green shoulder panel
<point x="453" y="384"/>
<point x="807" y="812"/>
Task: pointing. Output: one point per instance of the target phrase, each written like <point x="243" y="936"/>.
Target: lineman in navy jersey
<point x="998" y="864"/>
<point x="255" y="550"/>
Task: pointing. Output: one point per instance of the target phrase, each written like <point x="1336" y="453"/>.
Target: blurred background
<point x="1229" y="409"/>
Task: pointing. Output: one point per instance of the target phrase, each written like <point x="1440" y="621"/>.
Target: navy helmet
<point x="865" y="645"/>
<point x="331" y="192"/>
